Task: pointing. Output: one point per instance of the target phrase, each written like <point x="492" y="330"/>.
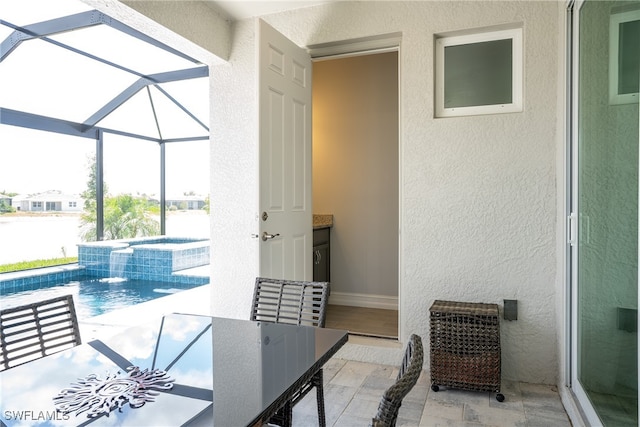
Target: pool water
<point x="93" y="297"/>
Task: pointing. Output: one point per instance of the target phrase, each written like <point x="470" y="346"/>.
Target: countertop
<point x="322" y="221"/>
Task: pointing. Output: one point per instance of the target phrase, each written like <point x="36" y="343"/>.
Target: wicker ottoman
<point x="465" y="346"/>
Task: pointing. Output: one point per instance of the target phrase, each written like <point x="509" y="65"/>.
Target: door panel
<point x="285" y="157"/>
<point x="605" y="272"/>
<point x="301" y="175"/>
<point x="274" y="149"/>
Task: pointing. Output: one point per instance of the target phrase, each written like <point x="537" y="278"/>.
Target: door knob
<point x="266" y="236"/>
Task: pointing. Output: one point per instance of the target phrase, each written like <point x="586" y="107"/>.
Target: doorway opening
<point x="356" y="179"/>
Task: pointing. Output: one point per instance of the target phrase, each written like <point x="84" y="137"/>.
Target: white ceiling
<point x="240" y="9"/>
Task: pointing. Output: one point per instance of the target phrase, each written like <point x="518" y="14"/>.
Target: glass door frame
<point x="573" y="9"/>
<point x="587" y="409"/>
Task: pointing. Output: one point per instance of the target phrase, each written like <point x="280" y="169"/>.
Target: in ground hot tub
<point x="149" y="258"/>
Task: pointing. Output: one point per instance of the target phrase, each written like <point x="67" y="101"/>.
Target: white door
<point x="285" y="215"/>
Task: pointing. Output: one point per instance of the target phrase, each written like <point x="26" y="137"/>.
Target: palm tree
<point x="124" y="216"/>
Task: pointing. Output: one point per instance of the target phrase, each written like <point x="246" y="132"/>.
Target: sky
<point x="41" y="78"/>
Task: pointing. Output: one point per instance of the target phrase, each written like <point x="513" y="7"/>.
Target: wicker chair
<point x="32" y="331"/>
<point x="298" y="303"/>
<point x="407" y="378"/>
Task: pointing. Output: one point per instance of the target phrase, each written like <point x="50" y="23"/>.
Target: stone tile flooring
<point x="353" y="390"/>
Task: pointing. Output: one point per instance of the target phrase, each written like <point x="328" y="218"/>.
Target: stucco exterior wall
<point x="234" y="177"/>
<point x="478" y="194"/>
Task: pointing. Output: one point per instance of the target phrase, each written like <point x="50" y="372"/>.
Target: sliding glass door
<point x="604" y="199"/>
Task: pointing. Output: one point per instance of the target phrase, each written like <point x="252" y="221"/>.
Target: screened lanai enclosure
<point x="99" y="124"/>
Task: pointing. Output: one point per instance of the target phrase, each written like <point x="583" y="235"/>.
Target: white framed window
<point x="624" y="57"/>
<point x="479" y="73"/>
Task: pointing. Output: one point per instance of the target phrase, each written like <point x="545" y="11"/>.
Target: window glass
<point x="629" y="58"/>
<point x="479" y="73"/>
<point x="624" y="57"/>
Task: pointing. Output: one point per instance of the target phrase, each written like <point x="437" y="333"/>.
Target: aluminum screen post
<point x="100" y="186"/>
<point x="163" y="195"/>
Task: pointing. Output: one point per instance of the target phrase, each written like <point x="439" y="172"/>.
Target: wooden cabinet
<point x="321" y="255"/>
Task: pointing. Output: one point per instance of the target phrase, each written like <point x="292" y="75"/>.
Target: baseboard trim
<point x="364" y="300"/>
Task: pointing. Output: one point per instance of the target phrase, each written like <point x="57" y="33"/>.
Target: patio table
<point x="198" y="370"/>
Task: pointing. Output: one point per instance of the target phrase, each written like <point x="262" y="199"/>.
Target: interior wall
<point x="355" y="174"/>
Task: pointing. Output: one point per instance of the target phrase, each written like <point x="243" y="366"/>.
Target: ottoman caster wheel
<point x="435" y="388"/>
<point x="500" y="397"/>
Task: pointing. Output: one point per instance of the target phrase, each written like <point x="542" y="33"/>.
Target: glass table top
<point x="226" y="369"/>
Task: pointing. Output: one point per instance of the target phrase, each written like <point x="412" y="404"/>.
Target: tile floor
<point x="353" y="391"/>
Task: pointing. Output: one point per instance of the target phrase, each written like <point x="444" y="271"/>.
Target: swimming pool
<point x="114" y="274"/>
<point x="93" y="297"/>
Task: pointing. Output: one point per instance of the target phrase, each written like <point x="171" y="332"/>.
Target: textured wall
<point x="234" y="177"/>
<point x="478" y="194"/>
<point x="478" y="200"/>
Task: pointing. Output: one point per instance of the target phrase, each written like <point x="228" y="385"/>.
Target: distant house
<point x="49" y="201"/>
<point x="186" y="202"/>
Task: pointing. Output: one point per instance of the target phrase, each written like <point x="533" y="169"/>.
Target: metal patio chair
<point x="35" y="330"/>
<point x="298" y="303"/>
<point x="407" y="377"/>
